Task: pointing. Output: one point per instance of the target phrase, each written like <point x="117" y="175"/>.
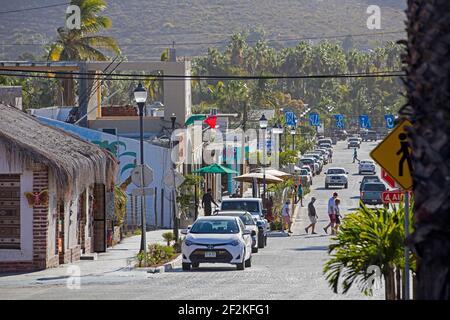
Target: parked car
<point x="371" y="193"/>
<point x="324" y="152"/>
<point x="312" y="163"/>
<point x="366" y="166"/>
<point x="325" y="145"/>
<point x="308" y="169"/>
<point x="353" y="143"/>
<point x="368" y="179"/>
<point x="325" y="140"/>
<point x="305" y="178"/>
<point x="249" y="222"/>
<point x="336" y="177"/>
<point x="369" y="136"/>
<point x="255" y="207"/>
<point x="317" y="158"/>
<point x="217" y="239"/>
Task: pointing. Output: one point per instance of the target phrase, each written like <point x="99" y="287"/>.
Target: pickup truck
<point x="255" y="207"/>
<point x="371" y="193"/>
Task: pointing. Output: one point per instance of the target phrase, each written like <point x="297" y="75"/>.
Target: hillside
<point x="144" y="28"/>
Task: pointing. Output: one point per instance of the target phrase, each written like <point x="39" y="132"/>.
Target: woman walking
<point x="337" y="211"/>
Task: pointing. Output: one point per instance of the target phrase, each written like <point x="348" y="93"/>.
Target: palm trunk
<point x="428" y="72"/>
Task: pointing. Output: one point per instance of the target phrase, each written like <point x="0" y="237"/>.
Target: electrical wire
<point x="36" y="8"/>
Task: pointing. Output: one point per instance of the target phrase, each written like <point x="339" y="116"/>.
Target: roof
<point x="75" y="163"/>
<point x="216" y="217"/>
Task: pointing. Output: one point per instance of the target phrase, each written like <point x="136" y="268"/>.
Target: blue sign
<point x="364" y="122"/>
<point x="314" y="119"/>
<point x="389" y="121"/>
<point x="339" y="121"/>
<point x="290" y="118"/>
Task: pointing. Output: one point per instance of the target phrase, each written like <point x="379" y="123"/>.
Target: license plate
<point x="210" y="254"/>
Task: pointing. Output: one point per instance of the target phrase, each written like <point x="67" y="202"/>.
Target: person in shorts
<point x="312" y="216"/>
<point x="337" y="211"/>
<point x="331" y="212"/>
<point x="286" y="217"/>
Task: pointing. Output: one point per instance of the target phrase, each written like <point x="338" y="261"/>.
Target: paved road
<point x="289" y="268"/>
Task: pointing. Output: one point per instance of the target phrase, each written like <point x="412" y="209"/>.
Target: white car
<point x="249" y="222"/>
<point x="312" y="163"/>
<point x="217" y="239"/>
<point x="336" y="177"/>
<point x="366" y="166"/>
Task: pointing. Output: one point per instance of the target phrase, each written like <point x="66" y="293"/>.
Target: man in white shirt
<point x="331" y="212"/>
<point x="286" y="217"/>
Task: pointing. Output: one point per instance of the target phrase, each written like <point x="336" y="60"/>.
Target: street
<point x="288" y="268"/>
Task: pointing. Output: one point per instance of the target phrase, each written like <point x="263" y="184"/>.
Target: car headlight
<point x="235" y="243"/>
<point x="188" y="243"/>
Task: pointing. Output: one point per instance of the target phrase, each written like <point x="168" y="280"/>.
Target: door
<point x="99" y="212"/>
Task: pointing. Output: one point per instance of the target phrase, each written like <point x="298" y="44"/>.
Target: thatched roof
<point x="74" y="162"/>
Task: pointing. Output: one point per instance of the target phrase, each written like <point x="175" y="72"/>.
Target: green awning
<point x="216" y="168"/>
<point x="193" y="118"/>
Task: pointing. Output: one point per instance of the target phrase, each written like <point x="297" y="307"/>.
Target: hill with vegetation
<point x="144" y="28"/>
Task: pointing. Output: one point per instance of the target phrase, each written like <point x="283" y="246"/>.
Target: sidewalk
<point x="117" y="258"/>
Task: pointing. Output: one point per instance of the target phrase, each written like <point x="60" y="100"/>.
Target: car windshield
<point x="247" y="219"/>
<point x="366" y="162"/>
<point x="353" y="140"/>
<point x="374" y="187"/>
<point x="307" y="161"/>
<point x="371" y="179"/>
<point x="336" y="171"/>
<point x="215" y="226"/>
<point x="250" y="206"/>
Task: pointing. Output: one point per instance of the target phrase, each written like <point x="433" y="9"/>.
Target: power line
<point x="36" y="8"/>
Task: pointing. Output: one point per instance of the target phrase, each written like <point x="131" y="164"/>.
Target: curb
<point x="169" y="266"/>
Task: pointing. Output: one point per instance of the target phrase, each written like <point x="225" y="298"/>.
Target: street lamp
<point x="293" y="132"/>
<point x="263" y="125"/>
<point x="140" y="95"/>
<point x="173" y="118"/>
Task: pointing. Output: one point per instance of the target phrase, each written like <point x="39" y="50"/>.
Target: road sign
<point x="339" y="121"/>
<point x="314" y="119"/>
<point x="140" y="192"/>
<point x="392" y="196"/>
<point x="364" y="121"/>
<point x="289" y="118"/>
<point x="389" y="121"/>
<point x="136" y="176"/>
<point x="388" y="179"/>
<point x="393" y="154"/>
<point x="170" y="180"/>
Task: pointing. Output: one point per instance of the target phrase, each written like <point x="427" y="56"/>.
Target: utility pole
<point x="244" y="126"/>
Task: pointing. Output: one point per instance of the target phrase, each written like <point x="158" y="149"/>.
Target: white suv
<point x="336" y="177"/>
<point x="366" y="166"/>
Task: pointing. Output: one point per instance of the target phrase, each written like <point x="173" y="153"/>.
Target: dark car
<point x="371" y="193"/>
<point x="368" y="179"/>
<point x="369" y="136"/>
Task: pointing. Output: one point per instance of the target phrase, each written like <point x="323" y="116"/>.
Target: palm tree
<point x="427" y="83"/>
<point x="82" y="44"/>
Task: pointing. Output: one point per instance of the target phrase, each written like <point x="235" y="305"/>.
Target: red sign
<point x="387" y="178"/>
<point x="393" y="196"/>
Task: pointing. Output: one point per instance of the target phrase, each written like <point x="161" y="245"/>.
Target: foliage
<point x="158" y="254"/>
<point x="367" y="237"/>
<point x="120" y="205"/>
<point x="168" y="237"/>
<point x="186" y="192"/>
<point x="280" y="193"/>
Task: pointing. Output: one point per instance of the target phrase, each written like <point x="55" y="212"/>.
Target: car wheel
<point x="248" y="263"/>
<point x="241" y="266"/>
<point x="186" y="266"/>
<point x="326" y="186"/>
<point x="346" y="186"/>
<point x="195" y="265"/>
<point x="255" y="249"/>
<point x="261" y="240"/>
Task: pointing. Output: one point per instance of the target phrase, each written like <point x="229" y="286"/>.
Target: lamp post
<point x="173" y="118"/>
<point x="277" y="131"/>
<point x="293" y="132"/>
<point x="263" y="126"/>
<point x="140" y="95"/>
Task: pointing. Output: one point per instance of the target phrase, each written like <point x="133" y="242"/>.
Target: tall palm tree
<point x="83" y="44"/>
<point x="427" y="82"/>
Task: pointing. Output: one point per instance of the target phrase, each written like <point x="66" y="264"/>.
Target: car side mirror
<point x="184" y="231"/>
<point x="264" y="212"/>
<point x="346" y="173"/>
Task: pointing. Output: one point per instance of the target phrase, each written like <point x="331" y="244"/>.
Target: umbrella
<point x="216" y="168"/>
<point x="259" y="177"/>
<point x="276" y="173"/>
<point x="193" y="118"/>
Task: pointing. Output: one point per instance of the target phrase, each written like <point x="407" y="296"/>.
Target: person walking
<point x="206" y="202"/>
<point x="355" y="155"/>
<point x="312" y="216"/>
<point x="330" y="156"/>
<point x="286" y="217"/>
<point x="337" y="211"/>
<point x="331" y="212"/>
<point x="300" y="194"/>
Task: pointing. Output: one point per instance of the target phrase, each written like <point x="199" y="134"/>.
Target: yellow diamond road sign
<point x="393" y="154"/>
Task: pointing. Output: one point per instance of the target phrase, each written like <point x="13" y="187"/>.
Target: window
<point x="9" y="211"/>
<point x="242" y="205"/>
<point x="374" y="187"/>
<point x="215" y="227"/>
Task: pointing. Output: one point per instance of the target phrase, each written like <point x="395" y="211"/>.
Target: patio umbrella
<point x="249" y="177"/>
<point x="276" y="173"/>
<point x="216" y="169"/>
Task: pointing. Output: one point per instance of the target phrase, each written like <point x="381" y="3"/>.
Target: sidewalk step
<point x="92" y="256"/>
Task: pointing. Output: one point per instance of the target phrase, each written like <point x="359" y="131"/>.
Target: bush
<point x="168" y="237"/>
<point x="158" y="254"/>
<point x="137" y="232"/>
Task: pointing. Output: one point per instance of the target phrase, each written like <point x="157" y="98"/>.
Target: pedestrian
<point x="207" y="200"/>
<point x="312" y="214"/>
<point x="286" y="217"/>
<point x="300" y="194"/>
<point x="330" y="156"/>
<point x="331" y="212"/>
<point x="355" y="155"/>
<point x="337" y="211"/>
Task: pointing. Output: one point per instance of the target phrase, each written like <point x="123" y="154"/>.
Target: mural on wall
<point x="114" y="147"/>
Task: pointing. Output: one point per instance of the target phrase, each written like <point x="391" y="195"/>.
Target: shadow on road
<point x="313" y="248"/>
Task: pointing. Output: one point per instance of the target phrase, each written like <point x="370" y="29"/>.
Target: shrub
<point x="158" y="254"/>
<point x="168" y="237"/>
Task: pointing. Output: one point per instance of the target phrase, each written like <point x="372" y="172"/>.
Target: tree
<point x="83" y="44"/>
<point x="428" y="72"/>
